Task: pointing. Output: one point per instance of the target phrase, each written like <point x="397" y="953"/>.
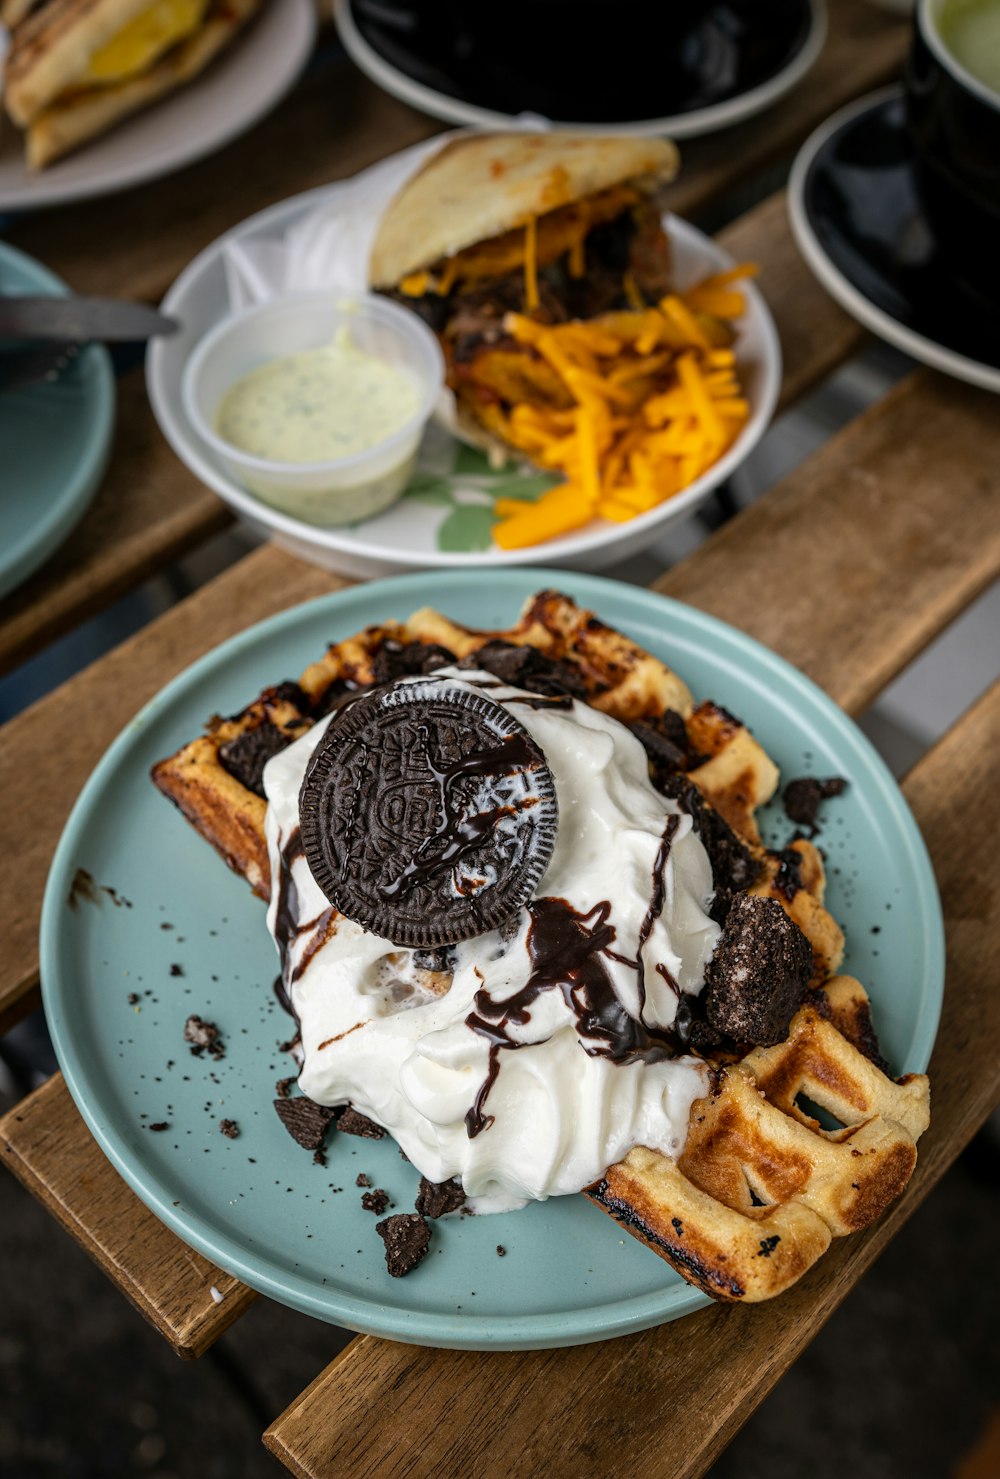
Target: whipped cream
<point x="548" y="1056"/>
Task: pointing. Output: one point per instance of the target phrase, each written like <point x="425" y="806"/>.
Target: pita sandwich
<point x="77" y="67"/>
<point x="556" y="226"/>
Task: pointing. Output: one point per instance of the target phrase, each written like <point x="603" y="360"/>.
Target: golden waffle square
<point x="761" y="1187"/>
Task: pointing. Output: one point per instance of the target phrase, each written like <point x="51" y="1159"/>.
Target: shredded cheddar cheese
<point x="634" y="405"/>
<point x="531" y="264"/>
<point x="415" y="285"/>
<point x="546" y="238"/>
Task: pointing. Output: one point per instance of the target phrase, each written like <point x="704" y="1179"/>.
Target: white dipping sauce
<point x="317" y="405"/>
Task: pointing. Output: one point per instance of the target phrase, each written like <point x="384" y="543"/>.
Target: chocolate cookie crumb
<point x="284" y="1086"/>
<point x="802" y="798"/>
<point x="160" y="1125"/>
<point x="176" y="969"/>
<point x="409" y="660"/>
<point x="435" y="1198"/>
<point x="132" y="998"/>
<point x="788" y="878"/>
<point x="526" y="667"/>
<point x="375" y="1201"/>
<point x="229" y="1128"/>
<point x="442" y="959"/>
<point x="362" y="1180"/>
<point x="406" y="1237"/>
<point x="758" y="974"/>
<point x="501" y="1251"/>
<point x="319" y="1157"/>
<point x="691" y="1028"/>
<point x="667" y="744"/>
<point x="201" y="1035"/>
<point x="306" y="1121"/>
<point x="353" y="1123"/>
<point x="733" y="865"/>
<point x="245" y="756"/>
<point x="661" y="752"/>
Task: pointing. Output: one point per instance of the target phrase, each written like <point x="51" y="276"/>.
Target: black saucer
<point x="585" y="61"/>
<point x="857" y="218"/>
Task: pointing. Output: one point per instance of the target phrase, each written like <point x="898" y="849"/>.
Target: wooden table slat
<point x="852" y="564"/>
<point x="48" y="1147"/>
<point x="670" y="1399"/>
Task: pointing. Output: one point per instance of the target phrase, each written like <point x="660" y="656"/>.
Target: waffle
<point x="761" y="1187"/>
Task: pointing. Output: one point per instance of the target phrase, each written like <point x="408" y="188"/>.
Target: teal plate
<point x="191" y="938"/>
<point x="54" y="441"/>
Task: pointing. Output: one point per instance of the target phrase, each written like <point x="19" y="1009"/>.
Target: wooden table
<point x="848" y="567"/>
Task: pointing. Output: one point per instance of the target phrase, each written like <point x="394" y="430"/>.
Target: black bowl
<point x="592" y="61"/>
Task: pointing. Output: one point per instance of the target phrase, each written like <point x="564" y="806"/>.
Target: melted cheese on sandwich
<point x="144" y="39"/>
<point x="526" y="247"/>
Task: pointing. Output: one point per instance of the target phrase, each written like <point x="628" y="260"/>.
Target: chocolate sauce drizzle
<point x="457" y="836"/>
<point x="286" y="925"/>
<point x="655" y="909"/>
<point x="568" y="951"/>
<point x="287" y="929"/>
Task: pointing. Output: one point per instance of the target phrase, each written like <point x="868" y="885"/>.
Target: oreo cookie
<point x="428" y="813"/>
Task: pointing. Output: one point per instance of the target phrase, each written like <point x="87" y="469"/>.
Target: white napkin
<point x="329" y="246"/>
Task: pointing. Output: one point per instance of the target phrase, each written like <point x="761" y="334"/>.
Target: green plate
<point x="191" y="938"/>
<point x="54" y="441"/>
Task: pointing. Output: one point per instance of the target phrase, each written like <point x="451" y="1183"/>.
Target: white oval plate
<point x="405" y="537"/>
<point x="243" y="84"/>
<point x="678" y="126"/>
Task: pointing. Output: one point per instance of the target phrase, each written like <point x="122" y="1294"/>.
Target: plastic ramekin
<point x="344" y="489"/>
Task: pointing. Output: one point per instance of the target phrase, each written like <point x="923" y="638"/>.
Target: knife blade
<point x="81" y="319"/>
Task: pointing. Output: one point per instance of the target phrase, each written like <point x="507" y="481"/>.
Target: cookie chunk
<point x="802" y="798"/>
<point x="409" y="659"/>
<point x="406" y="1237"/>
<point x="246" y="755"/>
<point x="758" y="974"/>
<point x="306" y="1121"/>
<point x="526" y="667"/>
<point x="733" y="864"/>
<point x="353" y="1123"/>
<point x="435" y="1198"/>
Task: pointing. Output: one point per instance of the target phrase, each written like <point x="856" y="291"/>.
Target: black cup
<point x="954" y="120"/>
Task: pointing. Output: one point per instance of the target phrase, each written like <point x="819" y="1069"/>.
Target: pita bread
<point x="14" y="11"/>
<point x="483" y="184"/>
<point x="85" y="115"/>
